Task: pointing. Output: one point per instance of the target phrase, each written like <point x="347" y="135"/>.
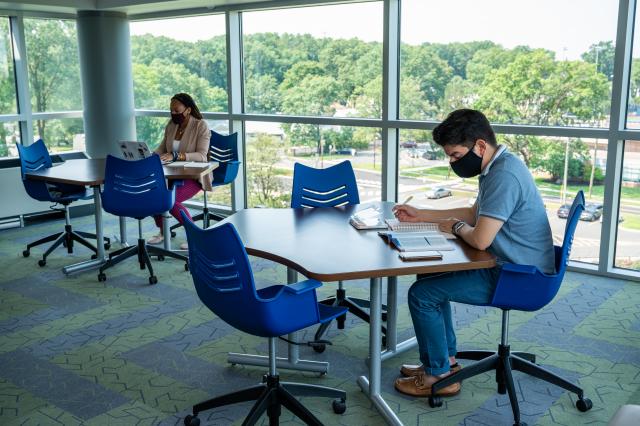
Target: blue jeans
<point x="430" y="309"/>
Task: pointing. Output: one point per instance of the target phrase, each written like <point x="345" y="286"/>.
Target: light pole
<point x="566" y="169"/>
<point x="595" y="148"/>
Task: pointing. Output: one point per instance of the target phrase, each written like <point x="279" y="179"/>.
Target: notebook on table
<point x="396" y="225"/>
<point x="417" y="241"/>
<point x="420" y="255"/>
<point x="369" y="218"/>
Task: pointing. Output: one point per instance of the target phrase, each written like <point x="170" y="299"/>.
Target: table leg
<point x="393" y="347"/>
<point x="371" y="385"/>
<point x="99" y="260"/>
<point x="293" y="361"/>
<point x="166" y="231"/>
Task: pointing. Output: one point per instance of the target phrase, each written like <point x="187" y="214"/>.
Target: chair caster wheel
<point x="435" y="401"/>
<point x="584" y="404"/>
<point x="502" y="388"/>
<point x="142" y="266"/>
<point x="186" y="267"/>
<point x="173" y="234"/>
<point x="191" y="421"/>
<point x="153" y="279"/>
<point x="339" y="406"/>
<point x="42" y="262"/>
<point x="26" y="253"/>
<point x="102" y="277"/>
<point x="160" y="257"/>
<point x="94" y="256"/>
<point x="319" y="348"/>
<point x="520" y="424"/>
<point x="107" y="246"/>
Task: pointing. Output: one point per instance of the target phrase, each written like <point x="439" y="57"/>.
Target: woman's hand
<point x="406" y="213"/>
<point x="167" y="156"/>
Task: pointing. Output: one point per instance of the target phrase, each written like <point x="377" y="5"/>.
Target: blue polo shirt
<point x="508" y="193"/>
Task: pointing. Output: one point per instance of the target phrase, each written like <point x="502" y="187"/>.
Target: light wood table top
<point x="321" y="244"/>
<point x="90" y="172"/>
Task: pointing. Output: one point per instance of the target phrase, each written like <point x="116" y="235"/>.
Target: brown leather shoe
<point x="412" y="370"/>
<point x="420" y="385"/>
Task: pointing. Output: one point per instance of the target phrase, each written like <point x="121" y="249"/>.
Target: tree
<point x="262" y="96"/>
<point x="602" y="55"/>
<point x="551" y="159"/>
<point x="52" y="60"/>
<point x="264" y="186"/>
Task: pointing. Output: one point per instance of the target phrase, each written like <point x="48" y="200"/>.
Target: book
<point x="417" y="241"/>
<point x="420" y="255"/>
<point x="369" y="218"/>
<point x="187" y="164"/>
<point x="396" y="225"/>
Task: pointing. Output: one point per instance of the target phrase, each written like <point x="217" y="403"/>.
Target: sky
<point x="567" y="27"/>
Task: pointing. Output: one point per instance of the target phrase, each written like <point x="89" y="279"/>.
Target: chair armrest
<point x="302" y="286"/>
<point x="229" y="173"/>
<point x="519" y="269"/>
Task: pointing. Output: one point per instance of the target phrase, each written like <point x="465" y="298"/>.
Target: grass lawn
<point x="631" y="222"/>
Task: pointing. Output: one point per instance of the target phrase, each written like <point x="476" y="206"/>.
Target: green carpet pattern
<point x="75" y="351"/>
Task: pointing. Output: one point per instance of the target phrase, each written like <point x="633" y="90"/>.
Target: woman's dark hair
<point x="188" y="101"/>
<point x="464" y="127"/>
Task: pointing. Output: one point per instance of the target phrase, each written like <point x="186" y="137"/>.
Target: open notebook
<point x="417" y="241"/>
<point x="396" y="225"/>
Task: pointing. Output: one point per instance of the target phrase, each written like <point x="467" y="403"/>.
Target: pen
<point x="409" y="198"/>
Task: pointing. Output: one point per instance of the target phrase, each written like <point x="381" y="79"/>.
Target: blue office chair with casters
<point x="331" y="187"/>
<point x="523" y="288"/>
<point x="224" y="282"/>
<point x="224" y="150"/>
<point x="36" y="157"/>
<point x="136" y="189"/>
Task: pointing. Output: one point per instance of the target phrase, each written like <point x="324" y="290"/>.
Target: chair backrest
<point x="32" y="158"/>
<point x="222" y="275"/>
<point x="224" y="150"/>
<point x="526" y="288"/>
<point x="135" y="188"/>
<point x="331" y="187"/>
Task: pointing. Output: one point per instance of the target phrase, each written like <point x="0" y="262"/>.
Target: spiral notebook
<point x="396" y="225"/>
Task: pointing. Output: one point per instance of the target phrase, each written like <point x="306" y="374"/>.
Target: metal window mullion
<point x="23" y="95"/>
<point x="235" y="99"/>
<point x="617" y="122"/>
<point x="390" y="91"/>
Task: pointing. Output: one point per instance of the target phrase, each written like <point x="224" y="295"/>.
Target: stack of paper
<point x="369" y="218"/>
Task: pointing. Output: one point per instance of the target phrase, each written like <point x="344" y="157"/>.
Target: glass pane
<point x="60" y="135"/>
<point x="221" y="195"/>
<point x="9" y="135"/>
<point x="627" y="242"/>
<point x="423" y="169"/>
<point x="180" y="55"/>
<point x="151" y="130"/>
<point x="314" y="60"/>
<point x="7" y="77"/>
<point x="53" y="66"/>
<point x="273" y="148"/>
<point x="507" y="67"/>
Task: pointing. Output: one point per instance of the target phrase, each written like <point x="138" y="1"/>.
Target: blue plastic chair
<point x="224" y="282"/>
<point x="523" y="288"/>
<point x="36" y="157"/>
<point x="136" y="189"/>
<point x="331" y="187"/>
<point x="224" y="150"/>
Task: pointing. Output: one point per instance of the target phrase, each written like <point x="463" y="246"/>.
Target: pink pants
<point x="188" y="189"/>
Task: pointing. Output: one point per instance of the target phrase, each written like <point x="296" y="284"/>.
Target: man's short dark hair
<point x="464" y="127"/>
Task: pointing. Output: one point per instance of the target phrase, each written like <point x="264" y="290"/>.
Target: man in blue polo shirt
<point x="508" y="220"/>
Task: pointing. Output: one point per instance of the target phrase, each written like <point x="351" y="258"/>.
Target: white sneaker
<point x="156" y="239"/>
<point x="184" y="246"/>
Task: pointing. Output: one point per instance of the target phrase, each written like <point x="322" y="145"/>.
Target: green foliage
<point x="602" y="55"/>
<point x="552" y="159"/>
<point x="264" y="187"/>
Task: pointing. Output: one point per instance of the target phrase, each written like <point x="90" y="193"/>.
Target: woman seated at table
<point x="186" y="138"/>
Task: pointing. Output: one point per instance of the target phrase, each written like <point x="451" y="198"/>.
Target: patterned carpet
<point x="74" y="351"/>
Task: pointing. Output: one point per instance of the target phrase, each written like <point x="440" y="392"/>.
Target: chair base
<point x="66" y="238"/>
<point x="143" y="251"/>
<point x="356" y="307"/>
<point x="270" y="397"/>
<point x="206" y="217"/>
<point x="504" y="362"/>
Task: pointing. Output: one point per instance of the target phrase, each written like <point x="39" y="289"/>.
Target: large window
<point x="273" y="148"/>
<point x="180" y="55"/>
<point x="314" y="61"/>
<point x="61" y="134"/>
<point x="628" y="241"/>
<point x="541" y="63"/>
<point x="7" y="80"/>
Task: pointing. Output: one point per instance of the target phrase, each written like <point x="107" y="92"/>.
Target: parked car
<point x="563" y="211"/>
<point x="408" y="144"/>
<point x="346" y="151"/>
<point x="430" y="155"/>
<point x="439" y="193"/>
<point x="591" y="212"/>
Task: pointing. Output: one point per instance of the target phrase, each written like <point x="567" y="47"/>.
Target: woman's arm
<point x="202" y="143"/>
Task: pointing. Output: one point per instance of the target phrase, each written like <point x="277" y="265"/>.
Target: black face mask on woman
<point x="177" y="118"/>
<point x="469" y="165"/>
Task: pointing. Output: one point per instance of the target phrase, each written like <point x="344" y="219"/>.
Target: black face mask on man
<point x="469" y="165"/>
